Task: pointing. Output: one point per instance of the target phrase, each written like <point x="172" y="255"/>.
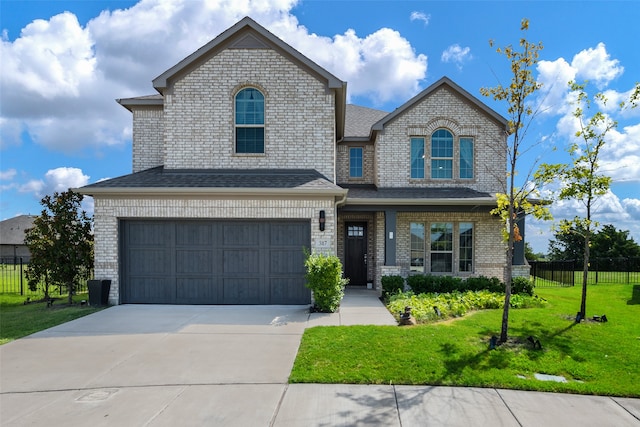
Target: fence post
<point x="21" y="278"/>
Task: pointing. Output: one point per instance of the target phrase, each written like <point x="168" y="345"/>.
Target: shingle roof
<point x="358" y="120"/>
<point x="412" y="195"/>
<point x="371" y="192"/>
<point x="161" y="178"/>
<point x="12" y="229"/>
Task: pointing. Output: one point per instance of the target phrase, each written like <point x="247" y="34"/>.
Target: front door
<point x="355" y="268"/>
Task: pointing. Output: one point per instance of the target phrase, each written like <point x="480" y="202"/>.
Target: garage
<point x="213" y="261"/>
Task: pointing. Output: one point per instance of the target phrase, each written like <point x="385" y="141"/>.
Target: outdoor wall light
<point x="321" y="220"/>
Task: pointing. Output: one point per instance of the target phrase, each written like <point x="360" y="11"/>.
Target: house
<point x="249" y="153"/>
<point x="12" y="247"/>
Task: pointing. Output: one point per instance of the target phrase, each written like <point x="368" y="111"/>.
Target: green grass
<point x="596" y="358"/>
<point x="18" y="320"/>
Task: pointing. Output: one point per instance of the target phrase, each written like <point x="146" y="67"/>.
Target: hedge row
<point x="428" y="284"/>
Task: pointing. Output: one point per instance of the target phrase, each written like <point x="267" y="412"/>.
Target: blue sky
<point x="65" y="62"/>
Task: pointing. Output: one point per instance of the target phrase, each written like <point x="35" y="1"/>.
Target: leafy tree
<point x="606" y="243"/>
<point x="515" y="201"/>
<point x="612" y="243"/>
<point x="530" y="254"/>
<point x="61" y="243"/>
<point x="567" y="244"/>
<point x="582" y="180"/>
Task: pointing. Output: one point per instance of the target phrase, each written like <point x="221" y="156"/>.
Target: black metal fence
<point x="601" y="271"/>
<point x="14" y="281"/>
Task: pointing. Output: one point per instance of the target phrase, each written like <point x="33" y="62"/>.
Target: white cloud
<point x="456" y="54"/>
<point x="58" y="180"/>
<point x="420" y="16"/>
<point x="8" y="174"/>
<point x="59" y="79"/>
<point x="595" y="64"/>
<point x="609" y="209"/>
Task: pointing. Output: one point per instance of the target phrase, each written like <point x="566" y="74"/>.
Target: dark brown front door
<point x="356" y="253"/>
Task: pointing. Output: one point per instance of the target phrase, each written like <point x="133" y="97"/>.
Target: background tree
<point x="608" y="242"/>
<point x="612" y="243"/>
<point x="582" y="180"/>
<point x="530" y="255"/>
<point x="567" y="244"/>
<point x="516" y="200"/>
<point x="61" y="243"/>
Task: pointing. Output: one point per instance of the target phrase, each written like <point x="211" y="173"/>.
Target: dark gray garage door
<point x="214" y="262"/>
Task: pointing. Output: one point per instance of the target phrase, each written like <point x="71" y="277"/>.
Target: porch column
<point x="390" y="237"/>
<point x="518" y="247"/>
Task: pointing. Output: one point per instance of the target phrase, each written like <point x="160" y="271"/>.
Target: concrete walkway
<point x="150" y="365"/>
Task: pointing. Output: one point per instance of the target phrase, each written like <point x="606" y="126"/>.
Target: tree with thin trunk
<point x="516" y="201"/>
<point x="582" y="179"/>
<point x="61" y="242"/>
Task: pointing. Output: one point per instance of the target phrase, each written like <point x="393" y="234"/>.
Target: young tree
<point x="516" y="201"/>
<point x="61" y="243"/>
<point x="582" y="180"/>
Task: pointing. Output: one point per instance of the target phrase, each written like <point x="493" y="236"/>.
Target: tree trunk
<point x="70" y="297"/>
<point x="585" y="273"/>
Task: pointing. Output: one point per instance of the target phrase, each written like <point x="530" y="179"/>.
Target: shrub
<point x="492" y="284"/>
<point x="391" y="285"/>
<point x="429" y="284"/>
<point x="324" y="278"/>
<point x="522" y="285"/>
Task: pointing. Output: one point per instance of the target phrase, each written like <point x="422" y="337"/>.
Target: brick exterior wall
<point x="299" y="114"/>
<point x="108" y="212"/>
<point x="148" y="138"/>
<point x="342" y="163"/>
<point x="442" y="109"/>
<point x="489" y="251"/>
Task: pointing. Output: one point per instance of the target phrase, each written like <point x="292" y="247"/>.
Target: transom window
<point x="442" y="248"/>
<point x="249" y="121"/>
<point x="355" y="162"/>
<point x="442" y="154"/>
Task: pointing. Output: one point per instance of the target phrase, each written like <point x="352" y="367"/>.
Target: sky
<point x="63" y="64"/>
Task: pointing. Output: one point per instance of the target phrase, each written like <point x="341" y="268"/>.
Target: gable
<point x="444" y="82"/>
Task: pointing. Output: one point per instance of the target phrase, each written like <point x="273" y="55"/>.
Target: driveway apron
<point x="153" y="365"/>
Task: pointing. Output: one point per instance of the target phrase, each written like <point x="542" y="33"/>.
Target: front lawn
<point x="594" y="358"/>
<point x="18" y="319"/>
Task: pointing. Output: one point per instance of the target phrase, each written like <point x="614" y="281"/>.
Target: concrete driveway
<point x="139" y="365"/>
<point x="133" y="365"/>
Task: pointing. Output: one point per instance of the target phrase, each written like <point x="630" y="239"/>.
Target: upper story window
<point x="417" y="157"/>
<point x="442" y="154"/>
<point x="466" y="158"/>
<point x="355" y="162"/>
<point x="249" y="121"/>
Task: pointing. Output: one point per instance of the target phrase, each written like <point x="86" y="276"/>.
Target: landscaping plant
<point x="324" y="278"/>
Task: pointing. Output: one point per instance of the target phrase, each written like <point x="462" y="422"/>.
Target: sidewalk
<point x="358" y="307"/>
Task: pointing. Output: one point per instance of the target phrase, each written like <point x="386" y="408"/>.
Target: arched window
<point x="249" y="122"/>
<point x="442" y="154"/>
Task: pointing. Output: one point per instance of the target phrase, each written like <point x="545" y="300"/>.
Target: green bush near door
<point x="324" y="278"/>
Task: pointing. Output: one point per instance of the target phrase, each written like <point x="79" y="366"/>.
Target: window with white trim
<point x="417" y="157"/>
